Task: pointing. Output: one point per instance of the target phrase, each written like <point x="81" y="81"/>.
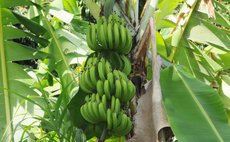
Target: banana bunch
<point x="95" y="111"/>
<point x="95" y="108"/>
<point x="117" y="84"/>
<point x="118" y="123"/>
<point x="97" y="69"/>
<point x="109" y="36"/>
<point x="108" y="82"/>
<point x="104" y="77"/>
<point x="117" y="61"/>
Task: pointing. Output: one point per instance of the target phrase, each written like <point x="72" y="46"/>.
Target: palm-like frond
<point x="14" y="79"/>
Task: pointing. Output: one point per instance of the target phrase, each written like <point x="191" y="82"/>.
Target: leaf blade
<point x="207" y="118"/>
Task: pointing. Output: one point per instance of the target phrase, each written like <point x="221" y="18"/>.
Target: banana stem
<point x="103" y="135"/>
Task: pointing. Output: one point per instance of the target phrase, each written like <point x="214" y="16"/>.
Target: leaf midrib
<point x="4" y="76"/>
<point x="201" y="108"/>
<point x="56" y="42"/>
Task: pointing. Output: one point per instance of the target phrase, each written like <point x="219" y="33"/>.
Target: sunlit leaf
<point x="207" y="118"/>
<point x="201" y="31"/>
<point x="93" y="7"/>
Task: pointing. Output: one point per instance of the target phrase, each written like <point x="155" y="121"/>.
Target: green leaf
<point x="214" y="66"/>
<point x="30" y="25"/>
<point x="71" y="6"/>
<point x="225" y="58"/>
<point x="62" y="15"/>
<point x="164" y="23"/>
<point x="74" y="108"/>
<point x="225" y="85"/>
<point x="193" y="108"/>
<point x="80" y="26"/>
<point x="186" y="56"/>
<point x="108" y="7"/>
<point x="59" y="62"/>
<point x="166" y="7"/>
<point x="93" y="8"/>
<point x="204" y="32"/>
<point x="161" y="46"/>
<point x="11" y="19"/>
<point x="18" y="52"/>
<point x="15" y="84"/>
<point x="219" y="18"/>
<point x="13" y="3"/>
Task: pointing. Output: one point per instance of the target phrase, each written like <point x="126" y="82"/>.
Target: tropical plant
<point x="41" y="102"/>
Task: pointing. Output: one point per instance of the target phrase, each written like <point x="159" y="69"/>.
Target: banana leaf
<point x="15" y="82"/>
<point x="195" y="110"/>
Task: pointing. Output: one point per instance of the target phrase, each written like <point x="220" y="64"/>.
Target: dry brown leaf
<point x="210" y="8"/>
<point x="150" y="117"/>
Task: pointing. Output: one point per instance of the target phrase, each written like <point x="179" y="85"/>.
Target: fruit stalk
<point x="103" y="135"/>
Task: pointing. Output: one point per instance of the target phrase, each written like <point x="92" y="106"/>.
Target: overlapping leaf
<point x="15" y="81"/>
<point x="193" y="108"/>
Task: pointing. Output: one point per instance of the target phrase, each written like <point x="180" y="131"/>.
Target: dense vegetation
<point x="43" y="52"/>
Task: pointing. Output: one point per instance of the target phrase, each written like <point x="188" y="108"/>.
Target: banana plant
<point x="15" y="82"/>
<point x="66" y="48"/>
<point x="201" y="47"/>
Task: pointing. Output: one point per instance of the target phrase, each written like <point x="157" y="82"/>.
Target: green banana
<point x="111" y="82"/>
<point x="83" y="85"/>
<point x="89" y="39"/>
<point x="103" y="34"/>
<point x="129" y="41"/>
<point x="125" y="127"/>
<point x="93" y="97"/>
<point x="99" y="36"/>
<point x="123" y="76"/>
<point x="88" y="117"/>
<point x="88" y="81"/>
<point x="89" y="62"/>
<point x="101" y="71"/>
<point x="94" y="38"/>
<point x="123" y="122"/>
<point x="109" y="119"/>
<point x="108" y="67"/>
<point x="104" y="101"/>
<point x="95" y="111"/>
<point x="125" y="93"/>
<point x="98" y="100"/>
<point x="110" y="36"/>
<point x="91" y="113"/>
<point x="93" y="75"/>
<point x="100" y="87"/>
<point x="132" y="89"/>
<point x="107" y="89"/>
<point x="123" y="39"/>
<point x="84" y="114"/>
<point x="113" y="103"/>
<point x="102" y="112"/>
<point x="118" y="89"/>
<point x="116" y="74"/>
<point x="114" y="118"/>
<point x="116" y="36"/>
<point x="119" y="120"/>
<point x="127" y="65"/>
<point x="128" y="127"/>
<point x="117" y="105"/>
